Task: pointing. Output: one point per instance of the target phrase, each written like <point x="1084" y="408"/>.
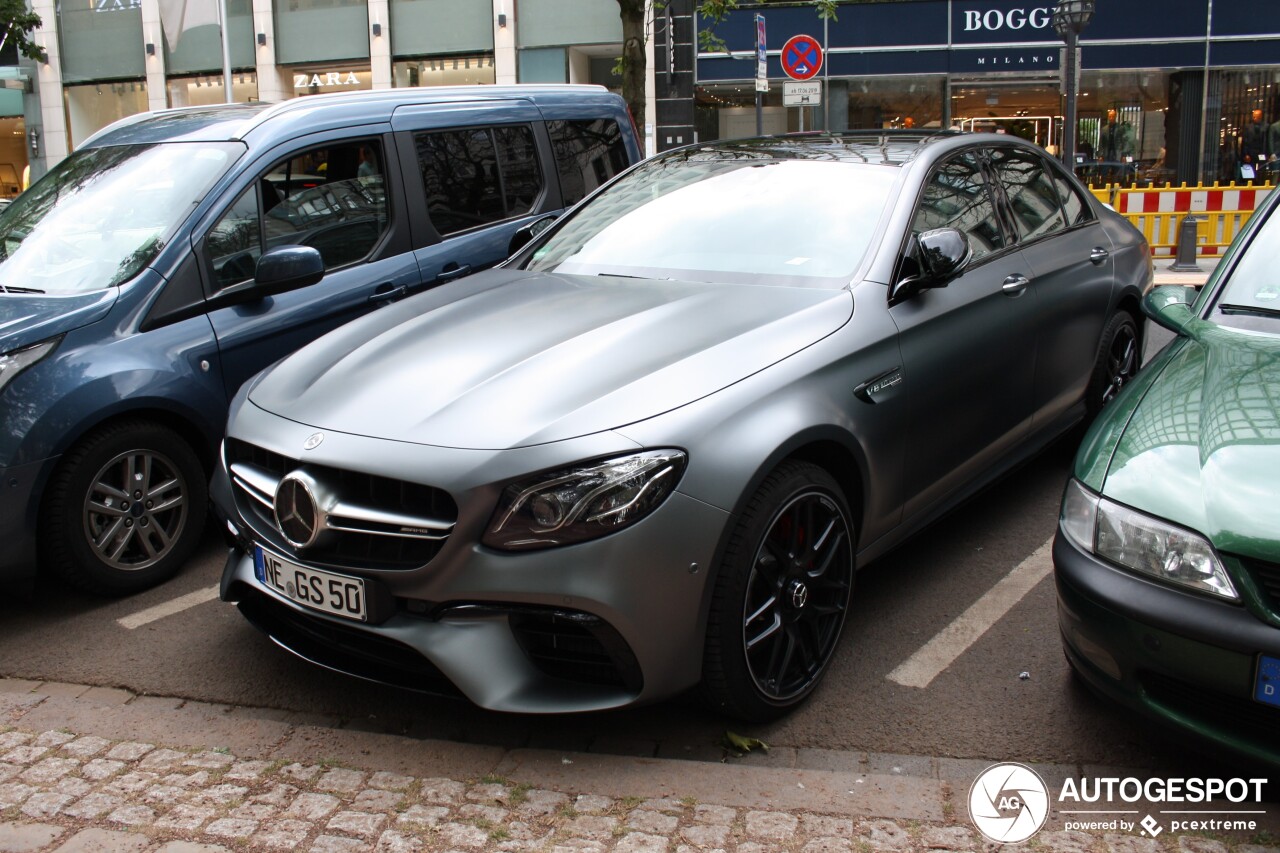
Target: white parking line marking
<point x="160" y="611"/>
<point x="925" y="665"/>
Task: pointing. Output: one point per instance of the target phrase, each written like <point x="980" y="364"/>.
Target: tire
<point x="1119" y="358"/>
<point x="109" y="540"/>
<point x="780" y="596"/>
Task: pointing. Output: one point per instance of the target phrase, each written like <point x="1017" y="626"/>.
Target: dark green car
<point x="1167" y="557"/>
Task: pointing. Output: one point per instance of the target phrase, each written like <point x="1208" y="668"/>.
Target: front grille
<point x="1267" y="577"/>
<point x="364" y="541"/>
<point x="339" y="647"/>
<point x="1224" y="712"/>
<point x="577" y="647"/>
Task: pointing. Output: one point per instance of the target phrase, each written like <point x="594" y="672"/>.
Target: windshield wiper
<point x="9" y="288"/>
<point x="1255" y="310"/>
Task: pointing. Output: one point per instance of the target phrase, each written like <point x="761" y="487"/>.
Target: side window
<point x="478" y="177"/>
<point x="957" y="197"/>
<point x="1073" y="203"/>
<point x="587" y="153"/>
<point x="234" y="244"/>
<point x="1032" y="199"/>
<point x="332" y="198"/>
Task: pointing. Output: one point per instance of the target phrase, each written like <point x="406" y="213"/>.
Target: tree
<point x="633" y="64"/>
<point x="18" y="21"/>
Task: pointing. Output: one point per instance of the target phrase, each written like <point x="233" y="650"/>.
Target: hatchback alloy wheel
<point x="135" y="510"/>
<point x="1122" y="361"/>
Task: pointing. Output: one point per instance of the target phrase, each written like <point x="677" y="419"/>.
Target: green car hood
<point x="1202" y="447"/>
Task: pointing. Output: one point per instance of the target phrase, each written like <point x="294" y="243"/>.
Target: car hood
<point x="509" y="359"/>
<point x="27" y="319"/>
<point x="1202" y="448"/>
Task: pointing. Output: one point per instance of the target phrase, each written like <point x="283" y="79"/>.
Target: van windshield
<point x="103" y="214"/>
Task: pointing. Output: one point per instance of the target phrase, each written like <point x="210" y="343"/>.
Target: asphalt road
<point x="978" y="706"/>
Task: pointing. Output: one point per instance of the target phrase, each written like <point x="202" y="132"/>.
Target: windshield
<point x="1250" y="299"/>
<point x="103" y="214"/>
<point x="755" y="221"/>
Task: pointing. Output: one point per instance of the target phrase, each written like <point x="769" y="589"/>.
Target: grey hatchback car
<point x="649" y="452"/>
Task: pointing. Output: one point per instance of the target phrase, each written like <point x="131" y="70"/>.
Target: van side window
<point x="587" y="154"/>
<point x="479" y="176"/>
<point x="234" y="244"/>
<point x="333" y="199"/>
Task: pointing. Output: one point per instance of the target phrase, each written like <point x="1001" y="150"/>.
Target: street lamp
<point x="1070" y="17"/>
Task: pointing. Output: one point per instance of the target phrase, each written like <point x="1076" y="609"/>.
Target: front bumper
<point x="1181" y="658"/>
<point x="19" y="516"/>
<point x="591" y="626"/>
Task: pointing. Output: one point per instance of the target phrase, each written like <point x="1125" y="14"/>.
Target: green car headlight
<point x="13" y="363"/>
<point x="1142" y="543"/>
<point x="583" y="502"/>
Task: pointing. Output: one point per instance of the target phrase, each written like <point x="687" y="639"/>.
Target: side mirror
<point x="526" y="234"/>
<point x="940" y="255"/>
<point x="286" y="268"/>
<point x="1170" y="306"/>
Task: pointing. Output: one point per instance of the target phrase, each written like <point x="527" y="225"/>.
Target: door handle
<point x="1098" y="255"/>
<point x="387" y="293"/>
<point x="1015" y="284"/>
<point x="450" y="275"/>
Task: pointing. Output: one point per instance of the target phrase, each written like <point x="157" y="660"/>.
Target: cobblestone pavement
<point x="70" y="792"/>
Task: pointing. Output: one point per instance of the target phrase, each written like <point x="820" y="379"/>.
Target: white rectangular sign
<point x="797" y="93"/>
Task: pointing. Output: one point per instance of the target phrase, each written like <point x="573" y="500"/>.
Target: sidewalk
<point x="1164" y="275"/>
<point x="98" y="770"/>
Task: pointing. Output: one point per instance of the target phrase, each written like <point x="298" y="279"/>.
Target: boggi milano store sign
<point x="994" y="65"/>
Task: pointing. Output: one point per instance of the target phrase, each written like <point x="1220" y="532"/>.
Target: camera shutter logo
<point x="1008" y="803"/>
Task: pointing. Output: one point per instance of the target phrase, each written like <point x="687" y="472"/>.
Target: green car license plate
<point x="1267" y="684"/>
<point x="327" y="592"/>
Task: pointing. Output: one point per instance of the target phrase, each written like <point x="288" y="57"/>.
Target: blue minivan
<point x="175" y="254"/>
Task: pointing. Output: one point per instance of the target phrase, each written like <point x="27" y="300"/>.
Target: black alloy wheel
<point x="1118" y="361"/>
<point x="781" y="596"/>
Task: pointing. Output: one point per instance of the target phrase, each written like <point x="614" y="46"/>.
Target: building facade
<point x="1183" y="90"/>
<point x="108" y="59"/>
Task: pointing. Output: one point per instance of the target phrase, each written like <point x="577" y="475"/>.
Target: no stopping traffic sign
<point x="801" y="57"/>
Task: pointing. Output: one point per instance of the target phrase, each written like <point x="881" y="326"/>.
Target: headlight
<point x="583" y="502"/>
<point x="1143" y="544"/>
<point x="13" y="363"/>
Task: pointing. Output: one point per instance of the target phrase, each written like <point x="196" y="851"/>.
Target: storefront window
<point x="209" y="89"/>
<point x="316" y="31"/>
<point x="445" y="71"/>
<point x="91" y="108"/>
<point x="1246" y="105"/>
<point x="91" y="36"/>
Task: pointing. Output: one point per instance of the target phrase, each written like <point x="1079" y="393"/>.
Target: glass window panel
<point x="521" y="176"/>
<point x="587" y="154"/>
<point x="331" y="198"/>
<point x="1032" y="198"/>
<point x="957" y="197"/>
<point x="460" y="179"/>
<point x="234" y="244"/>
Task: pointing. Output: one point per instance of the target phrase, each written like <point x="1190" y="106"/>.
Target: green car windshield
<point x="1250" y="299"/>
<point x="103" y="214"/>
<point x="750" y="220"/>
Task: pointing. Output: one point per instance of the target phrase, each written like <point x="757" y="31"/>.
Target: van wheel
<point x="781" y="595"/>
<point x="125" y="509"/>
<point x="1117" y="362"/>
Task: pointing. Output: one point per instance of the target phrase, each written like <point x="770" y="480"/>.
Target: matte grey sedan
<point x="649" y="452"/>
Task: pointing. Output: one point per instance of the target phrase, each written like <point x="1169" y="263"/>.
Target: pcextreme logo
<point x="1010" y="802"/>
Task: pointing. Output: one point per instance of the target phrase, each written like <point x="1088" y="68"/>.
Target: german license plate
<point x="327" y="592"/>
<point x="1267" y="684"/>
